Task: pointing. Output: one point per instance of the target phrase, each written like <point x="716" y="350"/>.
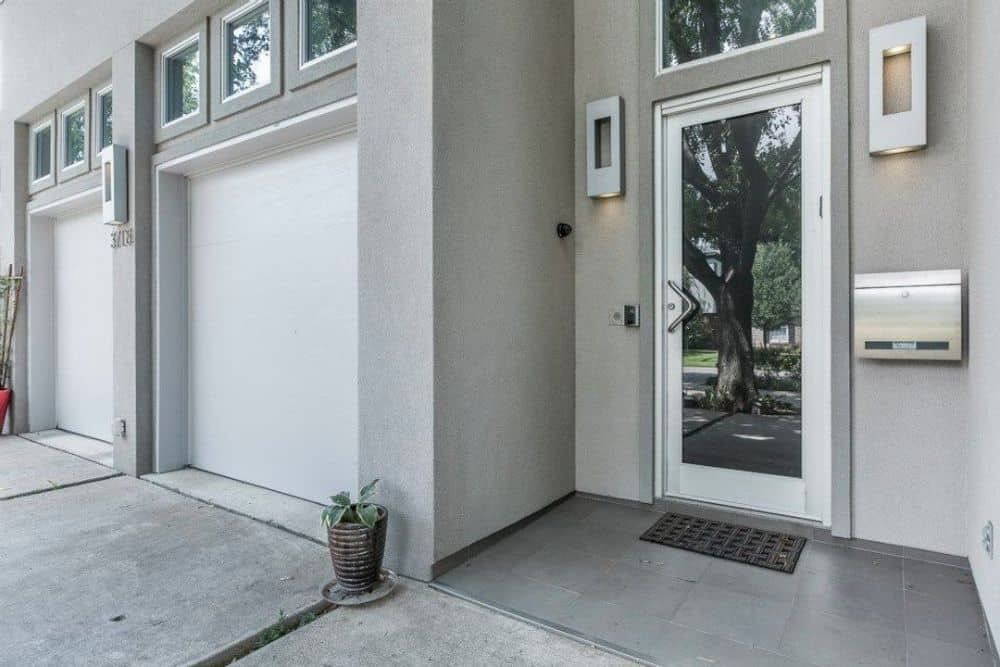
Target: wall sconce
<point x="114" y="184"/>
<point x="897" y="87"/>
<point x="605" y="148"/>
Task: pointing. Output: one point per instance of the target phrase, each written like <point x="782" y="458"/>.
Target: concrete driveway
<point x="120" y="571"/>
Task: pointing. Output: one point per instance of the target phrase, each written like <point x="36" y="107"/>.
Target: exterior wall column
<point x="395" y="273"/>
<point x="16" y="164"/>
<point x="132" y="121"/>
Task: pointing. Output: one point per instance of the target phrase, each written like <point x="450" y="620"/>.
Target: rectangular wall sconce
<point x="897" y="87"/>
<point x="605" y="148"/>
<point x="114" y="184"/>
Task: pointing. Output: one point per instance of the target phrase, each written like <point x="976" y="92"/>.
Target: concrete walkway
<point x="120" y="571"/>
<point x="97" y="451"/>
<point x="301" y="517"/>
<point x="420" y="626"/>
<point x="26" y="468"/>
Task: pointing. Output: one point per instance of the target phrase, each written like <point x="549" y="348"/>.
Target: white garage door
<point x="273" y="320"/>
<point x="83" y="324"/>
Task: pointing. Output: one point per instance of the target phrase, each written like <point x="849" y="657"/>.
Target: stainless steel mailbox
<point x="915" y="315"/>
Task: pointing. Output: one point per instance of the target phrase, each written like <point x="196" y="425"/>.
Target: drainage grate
<point x="763" y="548"/>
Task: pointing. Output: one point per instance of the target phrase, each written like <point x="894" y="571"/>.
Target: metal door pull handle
<point x="691" y="306"/>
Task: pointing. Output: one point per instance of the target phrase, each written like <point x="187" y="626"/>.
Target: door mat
<point x="763" y="548"/>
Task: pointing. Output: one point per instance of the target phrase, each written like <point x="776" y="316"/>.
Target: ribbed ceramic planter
<point x="356" y="551"/>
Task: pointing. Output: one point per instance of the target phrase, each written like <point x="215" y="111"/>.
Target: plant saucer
<point x="334" y="594"/>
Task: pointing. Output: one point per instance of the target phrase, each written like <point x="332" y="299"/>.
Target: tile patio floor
<point x="581" y="568"/>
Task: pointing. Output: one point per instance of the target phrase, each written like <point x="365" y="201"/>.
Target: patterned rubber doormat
<point x="763" y="548"/>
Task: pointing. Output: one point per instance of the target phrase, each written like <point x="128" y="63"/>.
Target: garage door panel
<point x="82" y="307"/>
<point x="273" y="320"/>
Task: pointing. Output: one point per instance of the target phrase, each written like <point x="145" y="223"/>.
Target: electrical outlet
<point x="118" y="428"/>
<point x="988" y="539"/>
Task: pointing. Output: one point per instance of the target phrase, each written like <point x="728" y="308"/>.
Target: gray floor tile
<point x="678" y="646"/>
<point x="611" y="623"/>
<point x="509" y="551"/>
<point x="563" y="566"/>
<point x="842" y="563"/>
<point x="663" y="642"/>
<point x="945" y="620"/>
<point x="869" y="601"/>
<point x="762" y="658"/>
<point x="472" y="577"/>
<point x="737" y="616"/>
<point x="668" y="561"/>
<point x="582" y="566"/>
<point x="575" y="508"/>
<point x="640" y="591"/>
<point x="834" y="641"/>
<point x="751" y="580"/>
<point x="550" y="529"/>
<point x="952" y="583"/>
<point x="527" y="595"/>
<point x="602" y="542"/>
<point x="620" y="517"/>
<point x="924" y="652"/>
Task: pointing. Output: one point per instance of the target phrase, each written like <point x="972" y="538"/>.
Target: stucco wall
<point x="984" y="299"/>
<point x="503" y="281"/>
<point x="616" y="54"/>
<point x="909" y="212"/>
<point x="612" y="458"/>
<point x="47" y="44"/>
<point x="908" y="464"/>
<point x="395" y="281"/>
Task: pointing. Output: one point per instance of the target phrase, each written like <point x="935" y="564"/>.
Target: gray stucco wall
<point x="613" y="444"/>
<point x="903" y="475"/>
<point x="395" y="281"/>
<point x="616" y="54"/>
<point x="909" y="212"/>
<point x="984" y="299"/>
<point x="503" y="281"/>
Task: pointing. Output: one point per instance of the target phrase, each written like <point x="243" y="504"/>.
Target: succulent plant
<point x="342" y="510"/>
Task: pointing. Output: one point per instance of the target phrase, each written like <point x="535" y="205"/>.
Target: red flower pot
<point x="5" y="395"/>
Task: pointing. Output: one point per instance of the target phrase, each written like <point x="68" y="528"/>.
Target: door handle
<point x="690" y="305"/>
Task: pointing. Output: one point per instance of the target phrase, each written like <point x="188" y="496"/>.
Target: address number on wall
<point x="123" y="237"/>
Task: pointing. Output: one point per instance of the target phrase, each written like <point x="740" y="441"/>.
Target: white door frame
<point x="808" y="498"/>
<point x="39" y="304"/>
<point x="170" y="267"/>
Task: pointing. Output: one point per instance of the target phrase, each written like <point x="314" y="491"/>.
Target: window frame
<point x="298" y="71"/>
<point x="169" y="129"/>
<point x="226" y="105"/>
<point x="661" y="69"/>
<point x="47" y="181"/>
<point x="69" y="171"/>
<point x="97" y="96"/>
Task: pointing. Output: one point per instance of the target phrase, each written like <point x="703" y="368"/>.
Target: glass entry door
<point x="746" y="303"/>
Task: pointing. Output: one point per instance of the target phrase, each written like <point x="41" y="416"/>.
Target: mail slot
<point x="914" y="315"/>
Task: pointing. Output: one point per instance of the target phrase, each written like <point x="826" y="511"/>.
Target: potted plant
<point x="356" y="535"/>
<point x="10" y="296"/>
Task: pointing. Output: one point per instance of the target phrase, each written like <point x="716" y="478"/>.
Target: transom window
<point x="41" y="146"/>
<point x="181" y="81"/>
<point x="104" y="101"/>
<point x="74" y="135"/>
<point x="248" y="50"/>
<point x="327" y="25"/>
<point x="696" y="29"/>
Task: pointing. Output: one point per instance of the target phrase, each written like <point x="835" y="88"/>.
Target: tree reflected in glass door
<point x="742" y="220"/>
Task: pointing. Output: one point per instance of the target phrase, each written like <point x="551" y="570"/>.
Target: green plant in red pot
<point x="356" y="535"/>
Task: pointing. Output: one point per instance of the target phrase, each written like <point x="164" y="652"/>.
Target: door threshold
<point x="755" y="518"/>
